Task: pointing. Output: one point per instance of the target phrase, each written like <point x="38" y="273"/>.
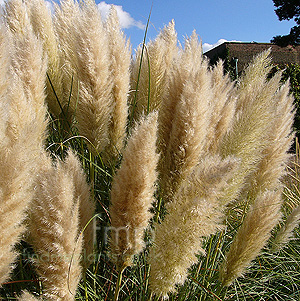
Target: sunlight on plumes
<point x="87" y="206"/>
<point x="194" y="213"/>
<point x="95" y="103"/>
<point x="157" y="61"/>
<point x="189" y="113"/>
<point x="157" y="160"/>
<point x="120" y="58"/>
<point x="252" y="236"/>
<point x="132" y="192"/>
<point x="42" y="23"/>
<point x="53" y="228"/>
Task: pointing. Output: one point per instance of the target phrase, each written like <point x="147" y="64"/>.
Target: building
<point x="237" y="55"/>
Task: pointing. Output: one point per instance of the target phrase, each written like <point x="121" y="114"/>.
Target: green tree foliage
<point x="292" y="72"/>
<point x="288" y="10"/>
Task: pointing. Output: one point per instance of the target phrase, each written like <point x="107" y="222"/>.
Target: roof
<point x="244" y="52"/>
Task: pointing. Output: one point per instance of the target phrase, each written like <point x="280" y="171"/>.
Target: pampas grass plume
<point x="119" y="53"/>
<point x="286" y="231"/>
<point x="91" y="53"/>
<point x="156" y="66"/>
<point x="194" y="213"/>
<point x="82" y="193"/>
<point x="184" y="135"/>
<point x="42" y="24"/>
<point x="54" y="233"/>
<point x="261" y="218"/>
<point x="132" y="192"/>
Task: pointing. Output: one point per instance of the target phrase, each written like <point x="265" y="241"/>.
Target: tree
<point x="287" y="10"/>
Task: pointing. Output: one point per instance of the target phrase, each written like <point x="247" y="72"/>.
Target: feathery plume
<point x="275" y="156"/>
<point x="182" y="67"/>
<point x="132" y="192"/>
<point x="286" y="231"/>
<point x="53" y="229"/>
<point x="42" y="24"/>
<point x="86" y="204"/>
<point x="5" y="59"/>
<point x="15" y="16"/>
<point x="65" y="20"/>
<point x="154" y="74"/>
<point x="26" y="296"/>
<point x="253" y="120"/>
<point x="119" y="53"/>
<point x="189" y="123"/>
<point x="194" y="214"/>
<point x="20" y="147"/>
<point x="223" y="104"/>
<point x="261" y="218"/>
<point x="17" y="160"/>
<point x="28" y="61"/>
<point x="95" y="104"/>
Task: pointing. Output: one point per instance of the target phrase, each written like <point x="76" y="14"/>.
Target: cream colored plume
<point x="261" y="137"/>
<point x="132" y="193"/>
<point x="184" y="134"/>
<point x="54" y="232"/>
<point x="223" y="107"/>
<point x="150" y="80"/>
<point x="22" y="130"/>
<point x="120" y="59"/>
<point x="28" y="60"/>
<point x="253" y="121"/>
<point x="95" y="103"/>
<point x="5" y="59"/>
<point x="66" y="19"/>
<point x="182" y="68"/>
<point x="86" y="205"/>
<point x="275" y="156"/>
<point x="286" y="231"/>
<point x="261" y="218"/>
<point x="42" y="24"/>
<point x="194" y="213"/>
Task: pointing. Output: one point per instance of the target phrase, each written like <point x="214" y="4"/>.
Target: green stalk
<point x="92" y="174"/>
<point x="215" y="254"/>
<point x="118" y="284"/>
<point x="139" y="73"/>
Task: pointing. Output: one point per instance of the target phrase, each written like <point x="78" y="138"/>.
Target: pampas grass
<point x="95" y="103"/>
<point x="65" y="20"/>
<point x="132" y="193"/>
<point x="286" y="231"/>
<point x="86" y="205"/>
<point x="43" y="27"/>
<point x="54" y="230"/>
<point x="23" y="128"/>
<point x="154" y="71"/>
<point x="252" y="236"/>
<point x="188" y="125"/>
<point x="194" y="213"/>
<point x="119" y="57"/>
<point x="188" y="188"/>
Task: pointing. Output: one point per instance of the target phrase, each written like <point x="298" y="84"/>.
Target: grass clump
<point x="140" y="178"/>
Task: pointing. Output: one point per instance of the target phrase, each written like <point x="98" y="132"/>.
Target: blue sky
<point x="213" y="20"/>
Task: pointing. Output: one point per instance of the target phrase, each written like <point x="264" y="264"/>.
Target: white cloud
<point x="206" y="47"/>
<point x="50" y="6"/>
<point x="126" y="20"/>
